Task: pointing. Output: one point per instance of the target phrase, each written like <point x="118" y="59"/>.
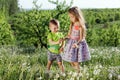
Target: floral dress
<point x="78" y="54"/>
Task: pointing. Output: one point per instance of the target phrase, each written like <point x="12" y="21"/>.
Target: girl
<point x="76" y="49"/>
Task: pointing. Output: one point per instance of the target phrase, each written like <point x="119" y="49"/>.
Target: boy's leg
<point x="49" y="65"/>
<point x="60" y="64"/>
<point x="59" y="61"/>
<point x="50" y="60"/>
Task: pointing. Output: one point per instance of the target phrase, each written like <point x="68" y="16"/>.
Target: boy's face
<point x="53" y="28"/>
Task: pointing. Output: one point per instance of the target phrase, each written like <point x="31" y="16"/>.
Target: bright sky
<point x="27" y="4"/>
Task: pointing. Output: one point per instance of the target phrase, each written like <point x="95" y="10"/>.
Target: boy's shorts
<point x="53" y="56"/>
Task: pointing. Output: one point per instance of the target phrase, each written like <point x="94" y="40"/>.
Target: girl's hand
<point x="75" y="45"/>
<point x="68" y="36"/>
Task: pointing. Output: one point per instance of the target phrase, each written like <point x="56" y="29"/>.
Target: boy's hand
<point x="61" y="49"/>
<point x="61" y="40"/>
<point x="68" y="36"/>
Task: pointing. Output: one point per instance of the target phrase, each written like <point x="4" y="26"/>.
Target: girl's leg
<point x="49" y="65"/>
<point x="60" y="64"/>
<point x="73" y="65"/>
<point x="77" y="67"/>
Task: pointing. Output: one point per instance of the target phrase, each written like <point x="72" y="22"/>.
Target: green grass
<point x="15" y="65"/>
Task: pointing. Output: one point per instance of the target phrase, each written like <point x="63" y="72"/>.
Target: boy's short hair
<point x="55" y="22"/>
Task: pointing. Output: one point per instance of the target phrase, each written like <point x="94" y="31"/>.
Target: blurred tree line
<point x="7" y="8"/>
<point x="30" y="27"/>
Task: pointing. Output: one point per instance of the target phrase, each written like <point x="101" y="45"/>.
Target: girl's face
<point x="52" y="27"/>
<point x="72" y="17"/>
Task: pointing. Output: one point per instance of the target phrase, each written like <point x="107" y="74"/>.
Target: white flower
<point x="91" y="79"/>
<point x="81" y="68"/>
<point x="111" y="70"/>
<point x="72" y="79"/>
<point x="96" y="67"/>
<point x="100" y="66"/>
<point x="28" y="56"/>
<point x="92" y="50"/>
<point x="119" y="77"/>
<point x="85" y="70"/>
<point x="80" y="74"/>
<point x="78" y="78"/>
<point x="87" y="74"/>
<point x="63" y="74"/>
<point x="70" y="73"/>
<point x="24" y="64"/>
<point x="110" y="76"/>
<point x="96" y="72"/>
<point x="75" y="74"/>
<point x="40" y="78"/>
<point x="57" y="75"/>
<point x="50" y="75"/>
<point x="47" y="71"/>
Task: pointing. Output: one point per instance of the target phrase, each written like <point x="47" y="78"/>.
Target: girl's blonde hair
<point x="79" y="17"/>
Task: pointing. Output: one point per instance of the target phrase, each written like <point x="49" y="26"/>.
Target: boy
<point x="55" y="45"/>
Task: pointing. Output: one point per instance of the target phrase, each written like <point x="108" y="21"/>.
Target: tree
<point x="6" y="34"/>
<point x="31" y="27"/>
<point x="10" y="6"/>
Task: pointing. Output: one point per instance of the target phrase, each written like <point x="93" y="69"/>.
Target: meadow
<point x="16" y="65"/>
<point x="23" y="54"/>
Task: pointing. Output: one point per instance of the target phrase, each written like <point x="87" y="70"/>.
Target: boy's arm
<point x="49" y="38"/>
<point x="63" y="43"/>
<point x="62" y="46"/>
<point x="54" y="42"/>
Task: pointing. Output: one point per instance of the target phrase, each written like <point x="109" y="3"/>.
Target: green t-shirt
<point x="54" y="37"/>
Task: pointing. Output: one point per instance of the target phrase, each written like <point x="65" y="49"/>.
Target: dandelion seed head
<point x="91" y="79"/>
<point x="64" y="74"/>
<point x="24" y="64"/>
<point x="96" y="72"/>
<point x="57" y="75"/>
<point x="80" y="74"/>
<point x="71" y="79"/>
<point x="119" y="77"/>
<point x="110" y="76"/>
<point x="40" y="78"/>
<point x="75" y="74"/>
<point x="70" y="73"/>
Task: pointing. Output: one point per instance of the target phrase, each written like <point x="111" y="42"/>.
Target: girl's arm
<point x="70" y="28"/>
<point x="81" y="36"/>
<point x="81" y="33"/>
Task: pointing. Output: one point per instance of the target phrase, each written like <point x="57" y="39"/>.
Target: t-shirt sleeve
<point x="61" y="35"/>
<point x="49" y="36"/>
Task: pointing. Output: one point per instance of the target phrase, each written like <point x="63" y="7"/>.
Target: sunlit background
<point x="27" y="4"/>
